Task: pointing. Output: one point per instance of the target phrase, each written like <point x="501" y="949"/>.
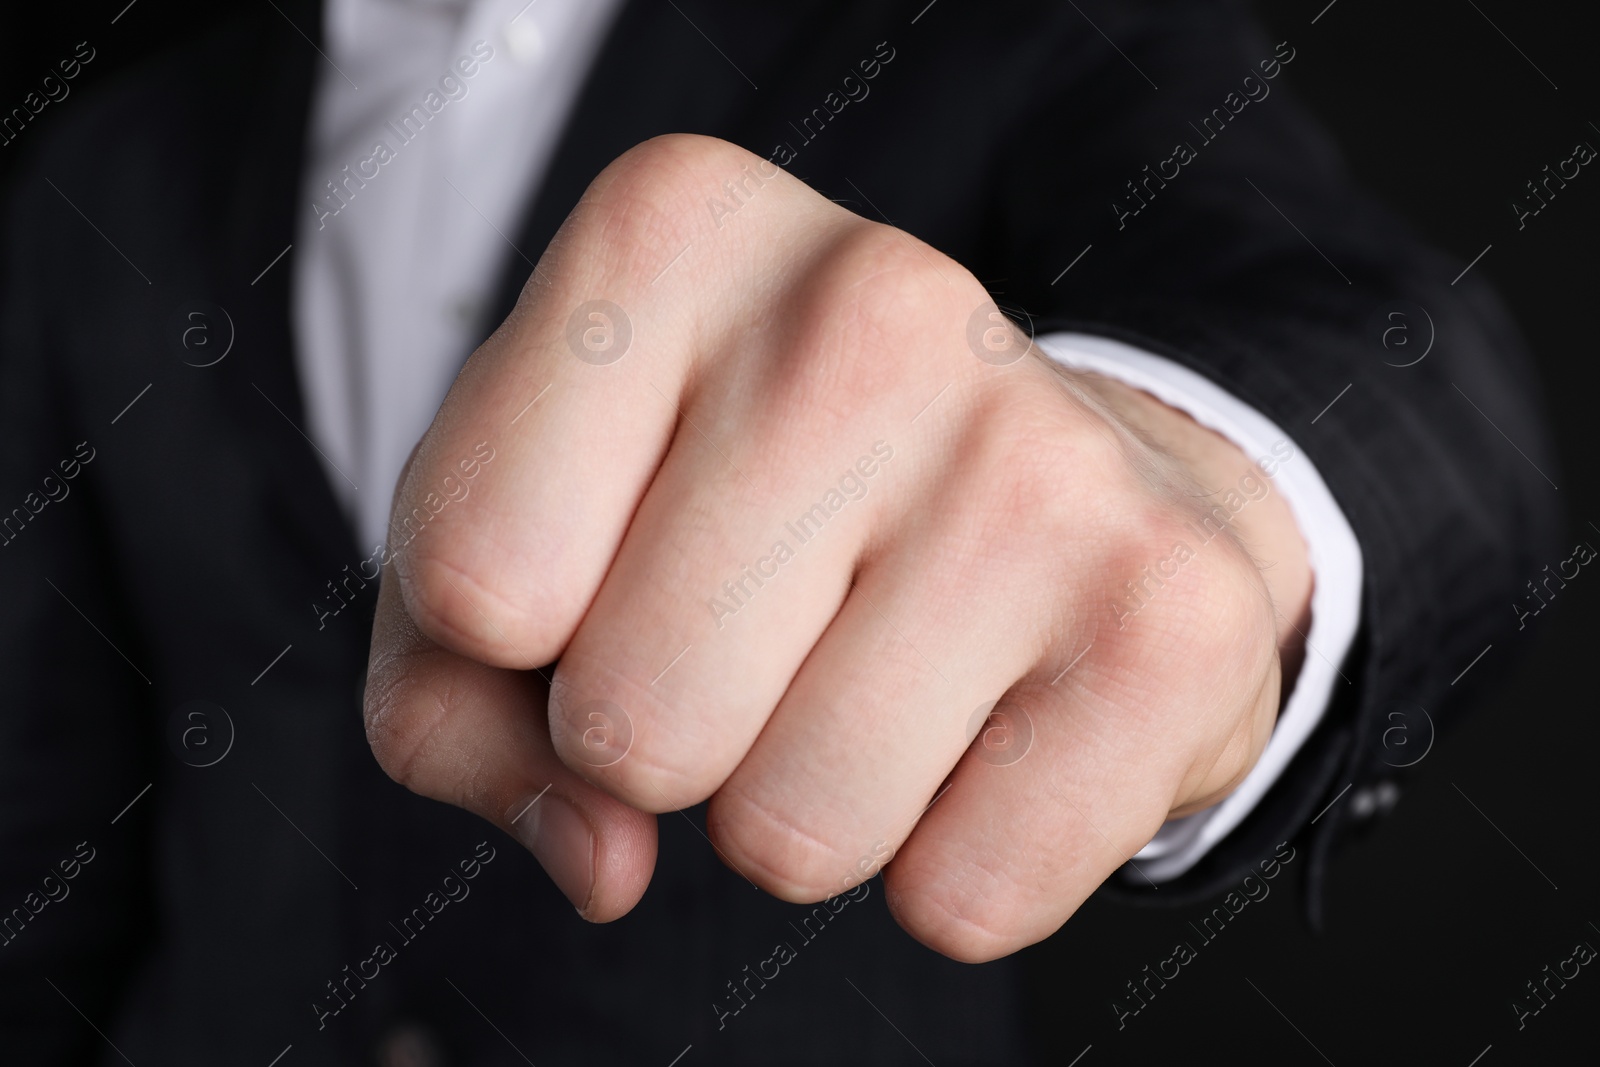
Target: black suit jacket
<point x="181" y="560"/>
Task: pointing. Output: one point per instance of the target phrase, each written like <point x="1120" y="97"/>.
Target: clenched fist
<point x="783" y="515"/>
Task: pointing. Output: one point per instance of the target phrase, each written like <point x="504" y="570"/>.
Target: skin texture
<point x="555" y="636"/>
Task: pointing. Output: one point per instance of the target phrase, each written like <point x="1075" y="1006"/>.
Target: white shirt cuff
<point x="1335" y="558"/>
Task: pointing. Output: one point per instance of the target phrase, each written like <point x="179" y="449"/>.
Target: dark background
<point x="1486" y="870"/>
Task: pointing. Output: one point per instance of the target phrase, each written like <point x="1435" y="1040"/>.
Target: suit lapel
<point x="260" y="380"/>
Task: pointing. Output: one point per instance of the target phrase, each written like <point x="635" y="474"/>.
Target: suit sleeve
<point x="75" y="747"/>
<point x="1212" y="222"/>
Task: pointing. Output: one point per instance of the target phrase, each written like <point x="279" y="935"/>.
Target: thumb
<point x="478" y="737"/>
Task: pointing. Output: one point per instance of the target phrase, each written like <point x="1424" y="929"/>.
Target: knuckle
<point x="602" y="727"/>
<point x="1041" y="466"/>
<point x="774" y="850"/>
<point x="877" y="266"/>
<point x="683" y="158"/>
<point x="1156" y="546"/>
<point x="872" y="305"/>
<point x="1035" y="475"/>
<point x="959" y="918"/>
<point x="649" y="202"/>
<point x="452" y="603"/>
<point x="1201" y="585"/>
<point x="1191" y="625"/>
<point x="1231" y="616"/>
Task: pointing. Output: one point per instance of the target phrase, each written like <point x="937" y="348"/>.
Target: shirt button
<point x="1374" y="800"/>
<point x="525" y="41"/>
<point x="465" y="310"/>
<point x="408" y="1045"/>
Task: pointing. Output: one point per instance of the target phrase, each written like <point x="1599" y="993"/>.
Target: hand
<point x="791" y="534"/>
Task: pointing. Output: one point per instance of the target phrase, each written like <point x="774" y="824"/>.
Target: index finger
<point x="577" y="396"/>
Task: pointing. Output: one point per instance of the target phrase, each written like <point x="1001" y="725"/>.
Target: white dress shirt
<point x="432" y="124"/>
